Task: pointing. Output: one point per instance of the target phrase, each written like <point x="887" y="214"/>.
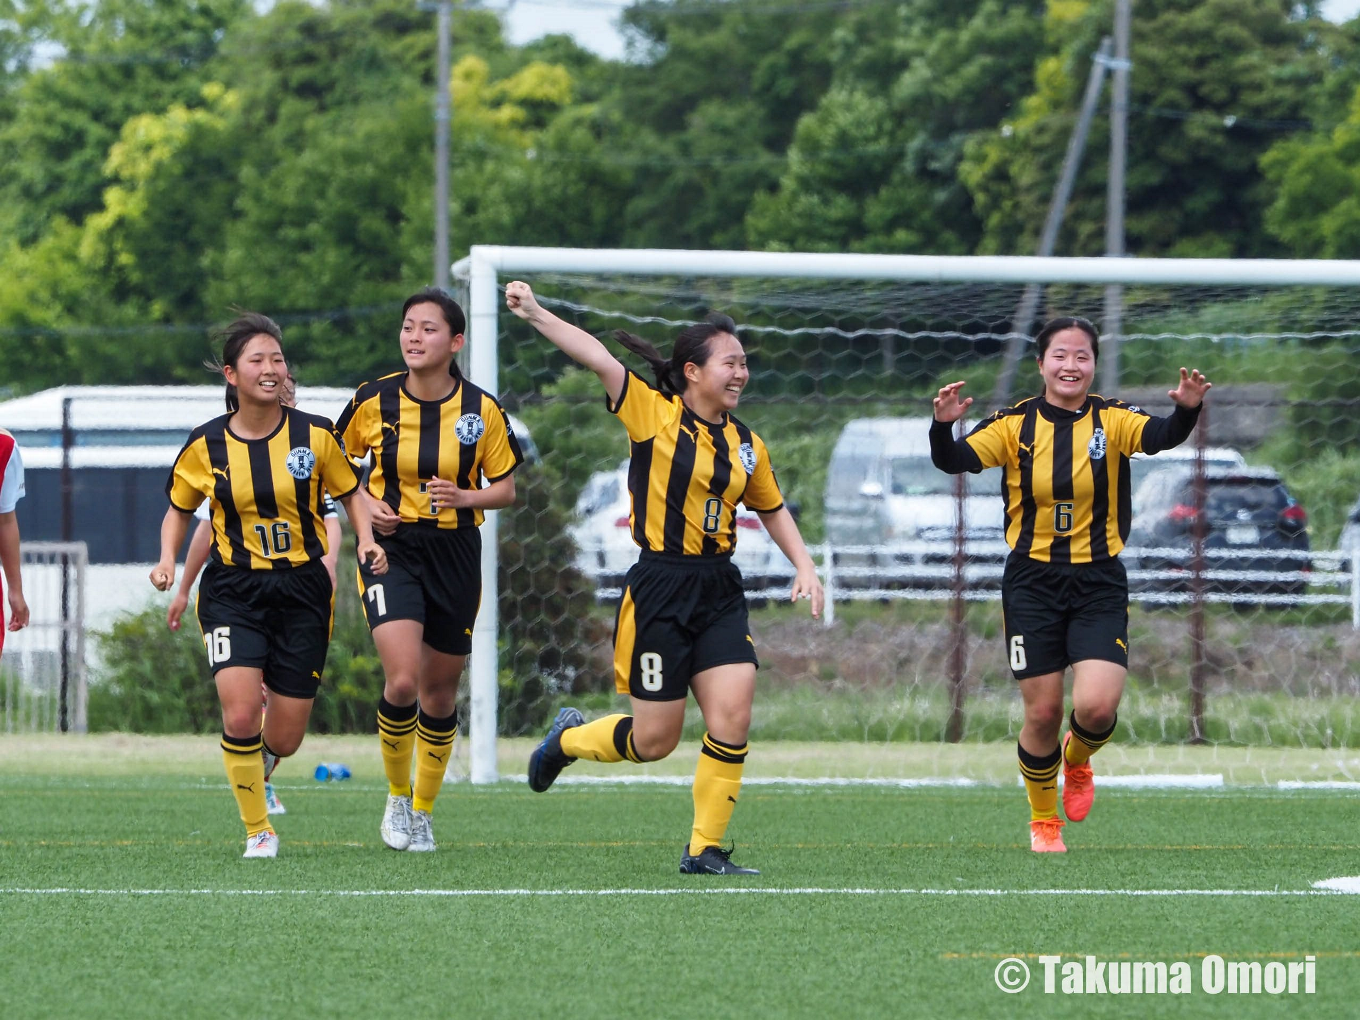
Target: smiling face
<point x="260" y="371"/>
<point x="718" y="382"/>
<point x="427" y="341"/>
<point x="1068" y="367"/>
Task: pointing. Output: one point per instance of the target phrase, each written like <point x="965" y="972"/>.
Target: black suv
<point x="1255" y="533"/>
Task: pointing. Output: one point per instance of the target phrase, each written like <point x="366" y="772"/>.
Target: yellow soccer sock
<point x="245" y="774"/>
<point x="1041" y="782"/>
<point x="434" y="741"/>
<point x="717" y="782"/>
<point x="1084" y="743"/>
<point x="397" y="737"/>
<point x="607" y="739"/>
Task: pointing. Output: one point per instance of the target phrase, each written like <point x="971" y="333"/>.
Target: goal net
<point x="1244" y="648"/>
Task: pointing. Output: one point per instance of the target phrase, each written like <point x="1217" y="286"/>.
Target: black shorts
<point x="679" y="615"/>
<point x="275" y="620"/>
<point x="1056" y="614"/>
<point x="434" y="576"/>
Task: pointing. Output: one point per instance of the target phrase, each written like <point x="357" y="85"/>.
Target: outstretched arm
<point x="1164" y="433"/>
<point x="948" y="454"/>
<point x="574" y="342"/>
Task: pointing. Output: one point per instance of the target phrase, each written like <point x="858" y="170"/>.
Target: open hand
<point x="1190" y="393"/>
<point x="948" y="406"/>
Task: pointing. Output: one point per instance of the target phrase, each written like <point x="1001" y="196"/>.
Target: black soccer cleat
<point x="547" y="761"/>
<point x="714" y="860"/>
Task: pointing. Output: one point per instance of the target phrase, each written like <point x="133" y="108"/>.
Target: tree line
<point x="166" y="160"/>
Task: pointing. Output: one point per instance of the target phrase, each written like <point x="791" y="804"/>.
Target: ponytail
<point x="691" y="348"/>
<point x="661" y="365"/>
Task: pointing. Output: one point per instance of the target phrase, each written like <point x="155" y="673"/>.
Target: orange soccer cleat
<point x="1079" y="787"/>
<point x="1045" y="836"/>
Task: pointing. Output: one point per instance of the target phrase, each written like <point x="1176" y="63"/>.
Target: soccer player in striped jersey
<point x="266" y="603"/>
<point x="1064" y="592"/>
<point x="11" y="491"/>
<point x="434" y="438"/>
<point x="197" y="556"/>
<point x="682" y="623"/>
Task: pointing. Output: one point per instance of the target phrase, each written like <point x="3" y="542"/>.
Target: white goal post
<point x="488" y="267"/>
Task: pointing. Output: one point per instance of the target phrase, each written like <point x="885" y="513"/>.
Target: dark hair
<point x="233" y="339"/>
<point x="453" y="314"/>
<point x="691" y="347"/>
<point x="1062" y="322"/>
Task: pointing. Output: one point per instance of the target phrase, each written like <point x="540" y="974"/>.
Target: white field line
<point x="1320" y="889"/>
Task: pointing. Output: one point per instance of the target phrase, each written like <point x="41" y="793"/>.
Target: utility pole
<point x="443" y="115"/>
<point x="1029" y="301"/>
<point x="1114" y="204"/>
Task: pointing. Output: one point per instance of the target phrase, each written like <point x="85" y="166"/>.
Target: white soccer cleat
<point x="272" y="804"/>
<point x="262" y="844"/>
<point x="422" y="839"/>
<point x="396" y="823"/>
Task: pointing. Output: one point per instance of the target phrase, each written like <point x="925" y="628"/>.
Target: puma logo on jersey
<point x="1026" y="450"/>
<point x="467" y="631"/>
<point x="749" y="641"/>
<point x="391" y="426"/>
<point x="316" y="675"/>
<point x="222" y="472"/>
<point x="1120" y="643"/>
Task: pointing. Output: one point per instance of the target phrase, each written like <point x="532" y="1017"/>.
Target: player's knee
<point x="241" y="721"/>
<point x="1097" y="718"/>
<point x="284" y="744"/>
<point x="731" y="727"/>
<point x="1045" y="719"/>
<point x="653" y="746"/>
<point x="400" y="689"/>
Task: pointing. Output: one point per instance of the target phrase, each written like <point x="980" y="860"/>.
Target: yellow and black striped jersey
<point x="1066" y="477"/>
<point x="687" y="475"/>
<point x="463" y="438"/>
<point x="268" y="495"/>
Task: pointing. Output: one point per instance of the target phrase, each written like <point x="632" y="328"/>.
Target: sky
<point x="591" y="22"/>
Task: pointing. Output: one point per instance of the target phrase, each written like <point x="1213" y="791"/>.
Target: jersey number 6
<point x="1062" y="517"/>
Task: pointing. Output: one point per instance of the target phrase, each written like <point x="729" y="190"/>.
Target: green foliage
<point x="153" y="680"/>
<point x="1328" y="487"/>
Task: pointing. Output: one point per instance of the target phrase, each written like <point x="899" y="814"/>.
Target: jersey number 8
<point x="650" y="664"/>
<point x="712" y="515"/>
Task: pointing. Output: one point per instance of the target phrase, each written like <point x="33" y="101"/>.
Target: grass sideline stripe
<point x="734" y="890"/>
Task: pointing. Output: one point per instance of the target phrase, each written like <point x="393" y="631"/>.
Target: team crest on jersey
<point x="300" y="463"/>
<point x="1135" y="409"/>
<point x="747" y="455"/>
<point x="1096" y="447"/>
<point x="469" y="429"/>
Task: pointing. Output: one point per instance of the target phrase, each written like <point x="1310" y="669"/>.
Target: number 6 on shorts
<point x="650" y="665"/>
<point x="1018" y="661"/>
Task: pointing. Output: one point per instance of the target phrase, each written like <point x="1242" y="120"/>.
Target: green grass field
<point x="122" y="891"/>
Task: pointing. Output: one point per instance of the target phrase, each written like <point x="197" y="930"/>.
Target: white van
<point x="890" y="511"/>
